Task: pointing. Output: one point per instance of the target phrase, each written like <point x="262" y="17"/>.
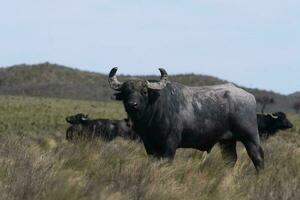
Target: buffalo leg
<point x="250" y="139"/>
<point x="171" y="145"/>
<point x="69" y="135"/>
<point x="256" y="154"/>
<point x="164" y="152"/>
<point x="228" y="151"/>
<point x="149" y="149"/>
<point x="252" y="144"/>
<point x="169" y="152"/>
<point x="245" y="129"/>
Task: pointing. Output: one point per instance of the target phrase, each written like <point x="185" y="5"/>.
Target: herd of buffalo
<point x="167" y="115"/>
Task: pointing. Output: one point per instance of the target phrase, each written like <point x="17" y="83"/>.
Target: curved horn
<point x="162" y="83"/>
<point x="112" y="79"/>
<point x="274" y="116"/>
<point x="84" y="117"/>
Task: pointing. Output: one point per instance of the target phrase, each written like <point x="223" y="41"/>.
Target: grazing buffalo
<point x="83" y="127"/>
<point x="269" y="124"/>
<point x="169" y="115"/>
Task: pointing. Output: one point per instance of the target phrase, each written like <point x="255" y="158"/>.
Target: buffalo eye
<point x="144" y="91"/>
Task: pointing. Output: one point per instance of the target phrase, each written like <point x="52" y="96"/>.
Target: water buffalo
<point x="168" y="115"/>
<point x="269" y="124"/>
<point x="83" y="127"/>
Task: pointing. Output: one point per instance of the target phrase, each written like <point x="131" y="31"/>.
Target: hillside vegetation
<point x="51" y="80"/>
<point x="36" y="162"/>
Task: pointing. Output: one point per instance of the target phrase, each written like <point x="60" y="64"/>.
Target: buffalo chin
<point x="132" y="111"/>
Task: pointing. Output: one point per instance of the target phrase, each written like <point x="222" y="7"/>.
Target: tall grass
<point x="37" y="163"/>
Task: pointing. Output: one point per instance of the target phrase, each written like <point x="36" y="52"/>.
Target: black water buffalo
<point x="269" y="124"/>
<point x="169" y="115"/>
<point x="83" y="127"/>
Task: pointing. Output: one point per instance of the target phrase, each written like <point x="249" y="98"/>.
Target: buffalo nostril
<point x="133" y="104"/>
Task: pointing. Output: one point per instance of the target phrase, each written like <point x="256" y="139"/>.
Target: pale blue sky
<point x="253" y="43"/>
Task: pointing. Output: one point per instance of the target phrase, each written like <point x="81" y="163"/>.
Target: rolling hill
<point x="52" y="80"/>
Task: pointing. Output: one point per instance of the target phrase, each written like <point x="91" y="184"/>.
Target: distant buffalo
<point x="269" y="124"/>
<point x="83" y="127"/>
<point x="168" y="115"/>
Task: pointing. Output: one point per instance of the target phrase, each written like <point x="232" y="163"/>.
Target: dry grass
<point x="37" y="163"/>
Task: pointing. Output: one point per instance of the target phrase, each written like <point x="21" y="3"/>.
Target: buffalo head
<point x="281" y="121"/>
<point x="136" y="94"/>
<point x="77" y="119"/>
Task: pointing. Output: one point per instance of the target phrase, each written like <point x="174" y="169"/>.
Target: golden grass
<point x="37" y="163"/>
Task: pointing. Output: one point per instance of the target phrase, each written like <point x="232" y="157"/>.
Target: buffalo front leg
<point x="171" y="145"/>
<point x="149" y="149"/>
<point x="161" y="149"/>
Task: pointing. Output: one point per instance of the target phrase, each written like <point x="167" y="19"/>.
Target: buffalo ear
<point x="68" y="120"/>
<point x="117" y="96"/>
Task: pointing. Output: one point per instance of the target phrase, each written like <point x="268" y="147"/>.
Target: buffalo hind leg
<point x="256" y="154"/>
<point x="246" y="132"/>
<point x="252" y="144"/>
<point x="228" y="151"/>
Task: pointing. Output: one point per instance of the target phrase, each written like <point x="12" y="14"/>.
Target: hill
<point x="52" y="80"/>
<point x="295" y="94"/>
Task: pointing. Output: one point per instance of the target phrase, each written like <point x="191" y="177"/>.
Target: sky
<point x="254" y="43"/>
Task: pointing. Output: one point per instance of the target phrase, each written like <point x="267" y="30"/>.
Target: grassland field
<point x="37" y="163"/>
